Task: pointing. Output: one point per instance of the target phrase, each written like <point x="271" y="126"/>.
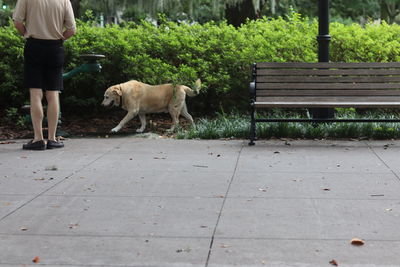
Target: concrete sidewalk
<point x="137" y="202"/>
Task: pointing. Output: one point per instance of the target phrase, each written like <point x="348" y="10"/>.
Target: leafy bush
<point x="12" y="93"/>
<point x="219" y="54"/>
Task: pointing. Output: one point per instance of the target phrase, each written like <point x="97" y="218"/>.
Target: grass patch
<point x="235" y="125"/>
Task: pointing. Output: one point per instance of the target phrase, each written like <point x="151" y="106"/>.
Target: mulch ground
<point x="87" y="126"/>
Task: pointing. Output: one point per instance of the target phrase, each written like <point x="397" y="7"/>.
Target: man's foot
<point x="54" y="144"/>
<point x="38" y="145"/>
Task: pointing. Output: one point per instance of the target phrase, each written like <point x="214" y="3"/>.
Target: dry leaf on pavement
<point x="334" y="263"/>
<point x="36" y="259"/>
<point x="357" y="242"/>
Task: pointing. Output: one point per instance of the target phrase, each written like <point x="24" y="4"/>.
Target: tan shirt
<point x="45" y="19"/>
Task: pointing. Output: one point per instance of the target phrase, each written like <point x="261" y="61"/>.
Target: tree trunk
<point x="76" y="5"/>
<point x="273" y="7"/>
<point x="389" y="11"/>
<point x="238" y="13"/>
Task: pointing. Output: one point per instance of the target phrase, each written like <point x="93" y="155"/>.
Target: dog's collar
<point x="120" y="101"/>
<point x="120" y="97"/>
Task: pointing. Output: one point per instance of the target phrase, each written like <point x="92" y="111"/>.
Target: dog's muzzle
<point x="108" y="105"/>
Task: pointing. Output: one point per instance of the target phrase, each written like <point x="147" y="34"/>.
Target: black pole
<point x="323" y="31"/>
<point x="323" y="51"/>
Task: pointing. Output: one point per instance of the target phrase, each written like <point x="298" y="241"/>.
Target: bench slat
<point x="286" y="104"/>
<point x="341" y="65"/>
<point x="328" y="86"/>
<point x="338" y="99"/>
<point x="326" y="72"/>
<point x="327" y="79"/>
<point x="285" y="93"/>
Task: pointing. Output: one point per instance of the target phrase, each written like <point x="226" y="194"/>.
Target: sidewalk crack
<point x="384" y="163"/>
<point x="223" y="204"/>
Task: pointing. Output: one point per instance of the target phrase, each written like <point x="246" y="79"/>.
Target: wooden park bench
<point x="323" y="85"/>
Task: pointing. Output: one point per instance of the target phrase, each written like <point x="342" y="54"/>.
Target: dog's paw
<point x="139" y="130"/>
<point x="115" y="130"/>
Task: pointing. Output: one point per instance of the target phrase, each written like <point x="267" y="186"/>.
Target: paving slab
<point x="323" y="156"/>
<point x="58" y="250"/>
<point x="305" y="185"/>
<point x="310" y="219"/>
<point x="146" y="183"/>
<point x="302" y="253"/>
<point x="124" y="216"/>
<point x="124" y="201"/>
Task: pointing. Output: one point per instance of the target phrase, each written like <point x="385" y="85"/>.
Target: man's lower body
<point x="43" y="68"/>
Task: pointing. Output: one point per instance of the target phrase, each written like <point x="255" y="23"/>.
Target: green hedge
<point x="219" y="54"/>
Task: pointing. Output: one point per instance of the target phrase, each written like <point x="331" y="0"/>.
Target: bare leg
<point x="53" y="108"/>
<point x="36" y="96"/>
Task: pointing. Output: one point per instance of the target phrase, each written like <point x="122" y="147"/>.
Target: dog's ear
<point x="117" y="90"/>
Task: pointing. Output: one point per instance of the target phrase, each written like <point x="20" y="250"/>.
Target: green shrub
<point x="219" y="54"/>
<point x="12" y="94"/>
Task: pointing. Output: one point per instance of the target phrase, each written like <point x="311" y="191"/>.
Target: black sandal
<point x="54" y="144"/>
<point x="38" y="145"/>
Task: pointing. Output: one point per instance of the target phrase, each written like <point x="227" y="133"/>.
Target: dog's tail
<point x="196" y="89"/>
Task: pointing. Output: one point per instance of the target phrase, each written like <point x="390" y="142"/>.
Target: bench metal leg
<point x="252" y="128"/>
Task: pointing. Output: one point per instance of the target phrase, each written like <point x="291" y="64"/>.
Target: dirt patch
<point x="100" y="125"/>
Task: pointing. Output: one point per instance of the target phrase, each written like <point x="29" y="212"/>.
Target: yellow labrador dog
<point x="139" y="99"/>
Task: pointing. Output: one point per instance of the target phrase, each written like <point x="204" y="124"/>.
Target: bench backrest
<point x="342" y="84"/>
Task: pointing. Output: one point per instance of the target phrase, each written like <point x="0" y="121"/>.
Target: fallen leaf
<point x="263" y="189"/>
<point x="39" y="179"/>
<point x="24" y="229"/>
<point x="51" y="168"/>
<point x="389" y="209"/>
<point x="183" y="250"/>
<point x="200" y="166"/>
<point x="334" y="263"/>
<point x="297" y="180"/>
<point x="36" y="259"/>
<point x="225" y="246"/>
<point x="357" y="242"/>
<point x="6" y="142"/>
<point x="73" y="225"/>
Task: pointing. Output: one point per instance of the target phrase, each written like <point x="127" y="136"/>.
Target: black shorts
<point x="43" y="64"/>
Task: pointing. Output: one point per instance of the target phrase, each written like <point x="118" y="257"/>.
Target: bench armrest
<point x="252" y="88"/>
